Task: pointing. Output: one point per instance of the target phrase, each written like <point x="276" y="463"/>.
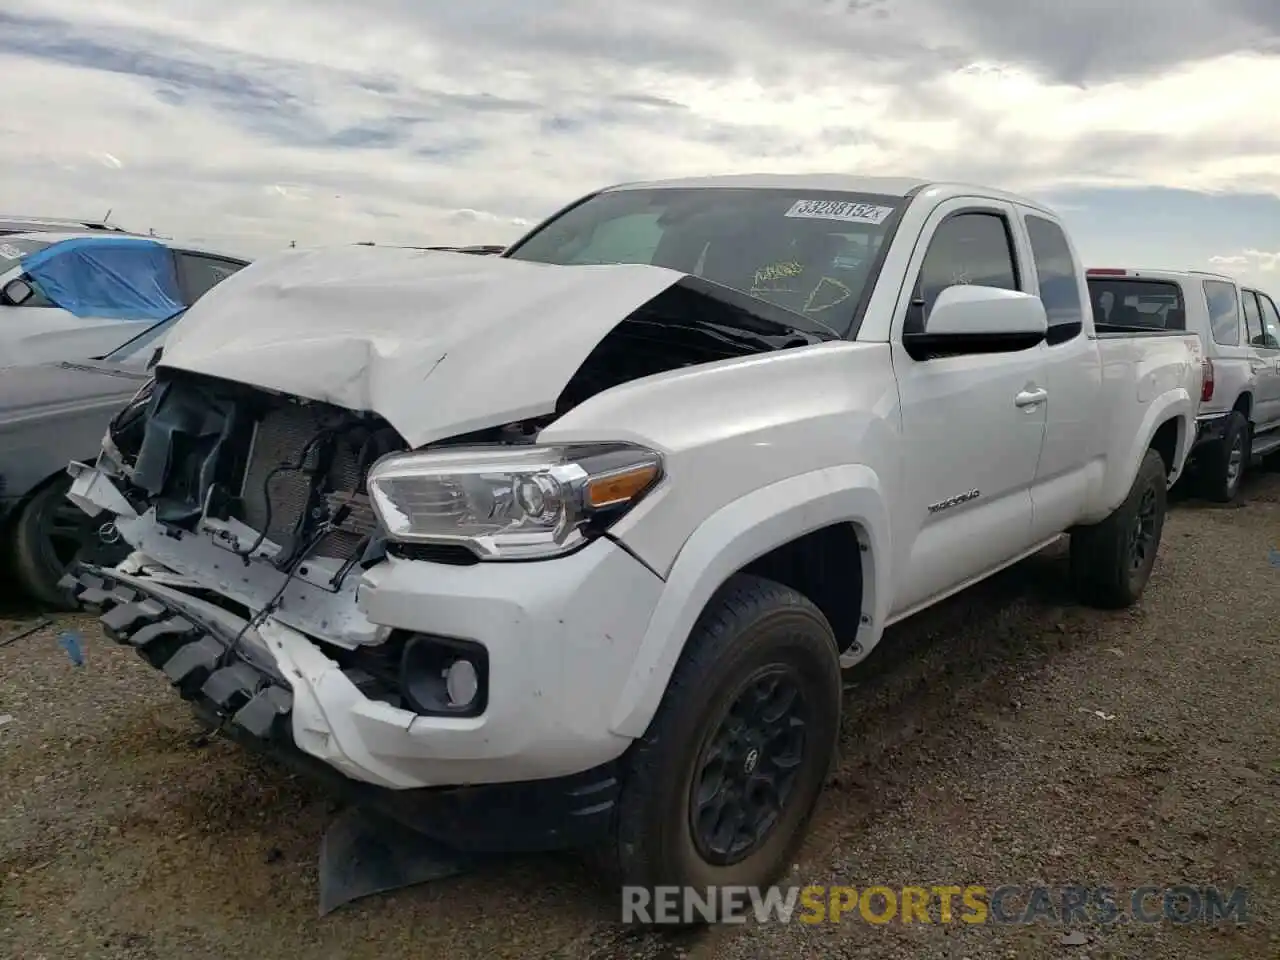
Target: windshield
<point x="140" y="347"/>
<point x="808" y="251"/>
<point x="14" y="250"/>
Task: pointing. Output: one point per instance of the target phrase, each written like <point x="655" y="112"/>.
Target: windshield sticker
<point x="10" y="252"/>
<point x="777" y="271"/>
<point x="845" y="210"/>
<point x="826" y="295"/>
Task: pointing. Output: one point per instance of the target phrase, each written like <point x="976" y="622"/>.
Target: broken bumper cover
<point x="248" y="694"/>
<point x="1210" y="428"/>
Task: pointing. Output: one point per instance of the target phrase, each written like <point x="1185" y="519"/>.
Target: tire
<point x="754" y="631"/>
<point x="1108" y="569"/>
<point x="1223" y="464"/>
<point x="48" y="533"/>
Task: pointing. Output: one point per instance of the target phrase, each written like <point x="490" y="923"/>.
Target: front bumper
<point x="252" y="701"/>
<point x="560" y="638"/>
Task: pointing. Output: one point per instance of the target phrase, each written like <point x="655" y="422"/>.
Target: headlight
<point x="110" y="460"/>
<point x="510" y="503"/>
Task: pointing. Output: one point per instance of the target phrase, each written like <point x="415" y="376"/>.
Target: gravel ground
<point x="1005" y="737"/>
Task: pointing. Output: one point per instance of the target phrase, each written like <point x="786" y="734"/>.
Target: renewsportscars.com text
<point x="970" y="904"/>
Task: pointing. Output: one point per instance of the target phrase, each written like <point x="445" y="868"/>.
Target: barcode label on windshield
<point x="844" y="210"/>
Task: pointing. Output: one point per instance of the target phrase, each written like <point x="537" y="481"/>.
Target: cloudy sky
<point x="251" y="124"/>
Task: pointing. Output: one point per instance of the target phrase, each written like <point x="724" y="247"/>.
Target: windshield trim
<point x="850" y="330"/>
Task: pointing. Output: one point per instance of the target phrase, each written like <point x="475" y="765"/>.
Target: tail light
<point x="1206" y="388"/>
<point x="1105" y="272"/>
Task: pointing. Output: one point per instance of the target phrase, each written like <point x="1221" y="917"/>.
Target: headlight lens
<point x="510" y="503"/>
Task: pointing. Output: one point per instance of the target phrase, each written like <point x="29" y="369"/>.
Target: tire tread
<point x="740" y="602"/>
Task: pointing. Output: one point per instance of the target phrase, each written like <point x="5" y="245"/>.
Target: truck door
<point x="1073" y="440"/>
<point x="1264" y="347"/>
<point x="972" y="424"/>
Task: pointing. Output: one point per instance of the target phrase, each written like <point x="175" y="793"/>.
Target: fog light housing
<point x="461" y="682"/>
<point x="444" y="677"/>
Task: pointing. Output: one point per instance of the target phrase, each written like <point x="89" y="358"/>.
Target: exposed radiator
<point x="280" y="441"/>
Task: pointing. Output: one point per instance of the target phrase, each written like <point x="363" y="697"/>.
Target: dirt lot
<point x="1006" y="737"/>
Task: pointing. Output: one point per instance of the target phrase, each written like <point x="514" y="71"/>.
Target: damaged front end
<point x="235" y="487"/>
<point x="249" y="515"/>
<point x="258" y="498"/>
<point x="249" y="510"/>
<point x="238" y="504"/>
<point x="253" y="502"/>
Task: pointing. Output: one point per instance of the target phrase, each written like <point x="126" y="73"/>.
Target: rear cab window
<point x="1224" y="312"/>
<point x="1058" y="278"/>
<point x="1137" y="304"/>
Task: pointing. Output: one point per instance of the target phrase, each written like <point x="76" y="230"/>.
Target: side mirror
<point x="17" y="292"/>
<point x="967" y="319"/>
<point x="155" y="357"/>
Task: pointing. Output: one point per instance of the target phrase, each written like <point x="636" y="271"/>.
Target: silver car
<point x="72" y="296"/>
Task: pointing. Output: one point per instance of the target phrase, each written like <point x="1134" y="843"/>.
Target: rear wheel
<point x="1111" y="561"/>
<point x="1223" y="464"/>
<point x="49" y="534"/>
<point x="722" y="785"/>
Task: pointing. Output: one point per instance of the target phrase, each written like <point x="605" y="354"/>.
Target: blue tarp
<point x="113" y="278"/>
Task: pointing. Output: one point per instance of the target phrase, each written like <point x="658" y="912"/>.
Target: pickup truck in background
<point x="568" y="546"/>
<point x="1239" y="329"/>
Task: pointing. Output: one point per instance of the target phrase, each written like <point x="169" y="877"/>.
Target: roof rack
<point x="1137" y="272"/>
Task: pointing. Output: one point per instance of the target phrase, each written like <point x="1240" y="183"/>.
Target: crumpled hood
<point x="437" y="343"/>
<point x="42" y="389"/>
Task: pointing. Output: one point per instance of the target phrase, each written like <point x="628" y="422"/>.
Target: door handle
<point x="1029" y="398"/>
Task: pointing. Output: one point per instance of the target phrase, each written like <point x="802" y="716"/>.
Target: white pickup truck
<point x="568" y="545"/>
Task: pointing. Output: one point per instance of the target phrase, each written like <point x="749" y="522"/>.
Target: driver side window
<point x="972" y="248"/>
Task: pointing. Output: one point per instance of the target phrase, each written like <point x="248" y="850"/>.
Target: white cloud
<point x="259" y="124"/>
<point x="1256" y="267"/>
<point x="1265" y="262"/>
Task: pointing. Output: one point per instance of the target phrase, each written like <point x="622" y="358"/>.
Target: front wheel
<point x="721" y="787"/>
<point x="1111" y="561"/>
<point x="49" y="534"/>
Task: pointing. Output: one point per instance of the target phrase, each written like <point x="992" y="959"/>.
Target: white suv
<point x="1239" y="327"/>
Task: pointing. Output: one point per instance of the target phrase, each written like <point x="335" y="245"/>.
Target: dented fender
<point x="736" y="535"/>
